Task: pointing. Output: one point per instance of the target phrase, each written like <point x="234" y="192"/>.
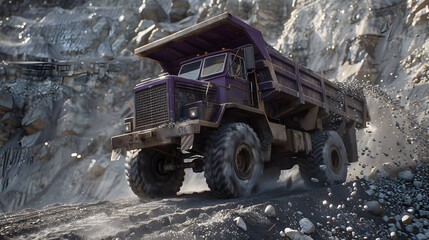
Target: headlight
<point x="128" y="125"/>
<point x="193" y="112"/>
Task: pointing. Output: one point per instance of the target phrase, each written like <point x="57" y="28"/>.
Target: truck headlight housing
<point x="128" y="124"/>
<point x="193" y="112"/>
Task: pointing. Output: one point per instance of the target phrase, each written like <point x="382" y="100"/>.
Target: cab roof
<point x="222" y="31"/>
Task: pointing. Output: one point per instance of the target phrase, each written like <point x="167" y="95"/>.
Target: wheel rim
<point x="335" y="160"/>
<point x="243" y="162"/>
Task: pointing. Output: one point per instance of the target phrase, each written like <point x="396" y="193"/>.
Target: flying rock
<point x="296" y="235"/>
<point x="240" y="223"/>
<point x="307" y="226"/>
<point x="270" y="211"/>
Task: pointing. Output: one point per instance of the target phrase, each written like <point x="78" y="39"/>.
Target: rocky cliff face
<point x="57" y="114"/>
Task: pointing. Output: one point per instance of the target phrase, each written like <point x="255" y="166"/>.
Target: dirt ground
<point x="203" y="216"/>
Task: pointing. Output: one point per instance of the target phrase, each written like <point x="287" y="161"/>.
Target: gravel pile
<point x="405" y="202"/>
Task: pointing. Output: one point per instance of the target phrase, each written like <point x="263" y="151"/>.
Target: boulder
<point x="152" y="10"/>
<point x="179" y="9"/>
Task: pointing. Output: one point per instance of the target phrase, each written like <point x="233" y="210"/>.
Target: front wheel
<point x="233" y="163"/>
<point x="328" y="160"/>
<point x="147" y="178"/>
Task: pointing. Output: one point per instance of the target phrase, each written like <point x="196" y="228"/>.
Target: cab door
<point x="237" y="81"/>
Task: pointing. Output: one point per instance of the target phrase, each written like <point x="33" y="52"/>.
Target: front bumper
<point x="173" y="133"/>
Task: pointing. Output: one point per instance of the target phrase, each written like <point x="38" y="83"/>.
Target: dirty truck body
<point x="232" y="106"/>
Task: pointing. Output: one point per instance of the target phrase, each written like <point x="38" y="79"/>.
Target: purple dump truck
<point x="232" y="106"/>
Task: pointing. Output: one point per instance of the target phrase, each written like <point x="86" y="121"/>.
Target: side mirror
<point x="249" y="57"/>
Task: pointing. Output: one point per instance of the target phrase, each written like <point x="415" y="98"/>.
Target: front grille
<point x="151" y="106"/>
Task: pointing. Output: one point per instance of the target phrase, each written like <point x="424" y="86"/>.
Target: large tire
<point x="233" y="164"/>
<point x="146" y="177"/>
<point x="328" y="150"/>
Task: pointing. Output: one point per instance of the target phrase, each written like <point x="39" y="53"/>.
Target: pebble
<point x="322" y="167"/>
<point x="240" y="223"/>
<point x="406" y="219"/>
<point x="296" y="235"/>
<point x="417" y="184"/>
<point x="424" y="213"/>
<point x="307" y="226"/>
<point x="409" y="228"/>
<point x="282" y="234"/>
<point x="315" y="180"/>
<point x="349" y="229"/>
<point x="421" y="236"/>
<point x="270" y="211"/>
<point x="385" y="218"/>
<point x="369" y="192"/>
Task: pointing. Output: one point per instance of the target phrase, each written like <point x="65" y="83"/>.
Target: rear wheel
<point x="233" y="163"/>
<point x="328" y="160"/>
<point x="147" y="178"/>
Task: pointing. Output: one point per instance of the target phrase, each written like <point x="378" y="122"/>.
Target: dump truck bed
<point x="282" y="81"/>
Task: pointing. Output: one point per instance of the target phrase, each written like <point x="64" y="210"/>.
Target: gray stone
<point x="96" y="171"/>
<point x="296" y="235"/>
<point x="157" y="34"/>
<point x="179" y="9"/>
<point x="307" y="226"/>
<point x="152" y="10"/>
<point x="421" y="236"/>
<point x="374" y="207"/>
<point x="270" y="211"/>
<point x="142" y="37"/>
<point x="409" y="228"/>
<point x="6" y="101"/>
<point x="424" y="213"/>
<point x="406" y="175"/>
<point x="37" y="115"/>
<point x="240" y="223"/>
<point x="417" y="184"/>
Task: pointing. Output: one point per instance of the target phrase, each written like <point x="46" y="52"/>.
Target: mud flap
<point x="187" y="142"/>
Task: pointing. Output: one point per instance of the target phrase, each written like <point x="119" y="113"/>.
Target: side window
<point x="236" y="68"/>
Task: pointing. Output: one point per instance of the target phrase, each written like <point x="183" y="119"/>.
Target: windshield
<point x="213" y="65"/>
<point x="190" y="70"/>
